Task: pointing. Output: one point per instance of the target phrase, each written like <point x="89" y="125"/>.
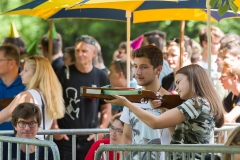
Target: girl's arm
<point x="167" y="119"/>
<point x="6" y="113"/>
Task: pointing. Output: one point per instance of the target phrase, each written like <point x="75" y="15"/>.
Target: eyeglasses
<point x="116" y="130"/>
<point x="118" y="61"/>
<point x="87" y="40"/>
<point x="23" y="124"/>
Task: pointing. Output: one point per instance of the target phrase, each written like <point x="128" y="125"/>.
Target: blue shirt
<point x="166" y="70"/>
<point x="10" y="91"/>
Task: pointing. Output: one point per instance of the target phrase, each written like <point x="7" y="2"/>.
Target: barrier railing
<point x="221" y="134"/>
<point x="73" y="132"/>
<point x="18" y="141"/>
<point x="187" y="151"/>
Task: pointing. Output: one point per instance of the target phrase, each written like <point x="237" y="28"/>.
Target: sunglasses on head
<point x="87" y="40"/>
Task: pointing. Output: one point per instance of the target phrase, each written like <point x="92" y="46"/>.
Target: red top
<point x="91" y="153"/>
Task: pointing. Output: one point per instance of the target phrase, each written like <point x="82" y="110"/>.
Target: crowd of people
<point x="46" y="92"/>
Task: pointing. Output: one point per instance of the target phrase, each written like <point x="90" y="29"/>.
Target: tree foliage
<point x="108" y="33"/>
<point x="224" y="5"/>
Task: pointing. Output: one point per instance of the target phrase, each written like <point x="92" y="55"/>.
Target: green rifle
<point x="133" y="95"/>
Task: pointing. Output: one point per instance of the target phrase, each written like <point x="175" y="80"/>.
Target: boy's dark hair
<point x="17" y="42"/>
<point x="56" y="44"/>
<point x="156" y="37"/>
<point x="117" y="117"/>
<point x="71" y="51"/>
<point x="121" y="66"/>
<point x="153" y="53"/>
<point x="26" y="110"/>
<point x="215" y="32"/>
<point x="123" y="45"/>
<point x="11" y="52"/>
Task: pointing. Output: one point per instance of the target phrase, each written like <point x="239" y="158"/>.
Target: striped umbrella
<point x="135" y="11"/>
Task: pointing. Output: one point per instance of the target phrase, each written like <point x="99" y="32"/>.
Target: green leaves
<point x="223" y="6"/>
<point x="223" y="9"/>
<point x="233" y="6"/>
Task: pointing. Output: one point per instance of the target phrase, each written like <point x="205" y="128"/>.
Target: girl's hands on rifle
<point x="119" y="100"/>
<point x="155" y="104"/>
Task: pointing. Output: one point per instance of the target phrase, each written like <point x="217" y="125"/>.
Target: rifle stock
<point x="5" y="102"/>
<point x="142" y="96"/>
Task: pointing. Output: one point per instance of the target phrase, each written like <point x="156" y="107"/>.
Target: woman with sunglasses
<point x="116" y="131"/>
<point x="43" y="89"/>
<point x="230" y="80"/>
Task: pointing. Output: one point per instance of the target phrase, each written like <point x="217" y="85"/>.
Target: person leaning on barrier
<point x="230" y="80"/>
<point x="233" y="140"/>
<point x="26" y="120"/>
<point x="81" y="112"/>
<point x="116" y="130"/>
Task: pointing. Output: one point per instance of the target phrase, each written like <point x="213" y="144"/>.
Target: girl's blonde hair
<point x="201" y="86"/>
<point x="45" y="79"/>
<point x="233" y="140"/>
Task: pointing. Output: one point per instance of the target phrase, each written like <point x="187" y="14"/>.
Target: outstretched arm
<point x="6" y="113"/>
<point x="167" y="119"/>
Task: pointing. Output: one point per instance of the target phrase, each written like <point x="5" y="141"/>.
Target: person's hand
<point x="155" y="104"/>
<point x="91" y="137"/>
<point x="60" y="137"/>
<point x="118" y="101"/>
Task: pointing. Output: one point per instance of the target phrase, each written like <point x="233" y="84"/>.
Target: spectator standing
<point x="147" y="66"/>
<point x="81" y="112"/>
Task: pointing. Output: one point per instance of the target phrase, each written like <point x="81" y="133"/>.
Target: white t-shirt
<point x="141" y="133"/>
<point x="37" y="100"/>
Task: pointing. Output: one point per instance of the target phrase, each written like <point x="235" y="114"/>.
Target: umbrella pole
<point x="128" y="16"/>
<point x="209" y="36"/>
<point x="182" y="27"/>
<point x="50" y="41"/>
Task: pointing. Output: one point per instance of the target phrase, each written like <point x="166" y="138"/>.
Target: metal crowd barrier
<point x="221" y="134"/>
<point x="43" y="143"/>
<point x="73" y="132"/>
<point x="187" y="151"/>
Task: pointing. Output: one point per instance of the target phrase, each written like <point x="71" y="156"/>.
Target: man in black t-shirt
<point x="81" y="112"/>
<point x="26" y="120"/>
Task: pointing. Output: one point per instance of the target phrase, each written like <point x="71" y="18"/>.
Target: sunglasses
<point x="87" y="40"/>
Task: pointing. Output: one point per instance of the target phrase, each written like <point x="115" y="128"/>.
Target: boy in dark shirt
<point x="26" y="120"/>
